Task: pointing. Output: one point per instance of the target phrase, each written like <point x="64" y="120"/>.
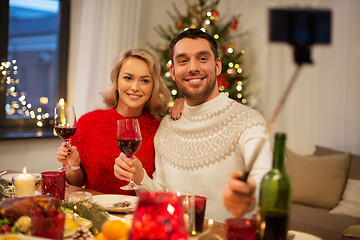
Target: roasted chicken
<point x="13" y="208"/>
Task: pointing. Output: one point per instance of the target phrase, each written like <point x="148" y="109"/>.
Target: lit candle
<point x="25" y="185"/>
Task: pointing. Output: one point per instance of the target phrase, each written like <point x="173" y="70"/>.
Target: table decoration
<point x="53" y="183"/>
<point x="240" y="229"/>
<point x="159" y="215"/>
<point x="47" y="224"/>
<point x="24" y="184"/>
<point x="194" y="213"/>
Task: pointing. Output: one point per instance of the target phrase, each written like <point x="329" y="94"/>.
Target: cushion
<point x="317" y="180"/>
<point x="352" y="231"/>
<point x="350" y="205"/>
<point x="354" y="160"/>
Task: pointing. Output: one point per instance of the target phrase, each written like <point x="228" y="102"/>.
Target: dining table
<point x="216" y="228"/>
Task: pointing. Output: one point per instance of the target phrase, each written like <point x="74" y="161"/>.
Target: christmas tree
<point x="203" y="14"/>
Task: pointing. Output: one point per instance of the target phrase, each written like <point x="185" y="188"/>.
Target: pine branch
<point x="89" y="210"/>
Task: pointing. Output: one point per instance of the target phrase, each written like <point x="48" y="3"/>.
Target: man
<point x="214" y="136"/>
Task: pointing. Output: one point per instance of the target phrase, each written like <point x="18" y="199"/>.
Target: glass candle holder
<point x="240" y="229"/>
<point x="53" y="183"/>
<point x="159" y="216"/>
<point x="47" y="224"/>
<point x="194" y="208"/>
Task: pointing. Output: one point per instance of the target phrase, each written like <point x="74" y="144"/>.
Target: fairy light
<point x="19" y="105"/>
<point x="230" y="50"/>
<point x="216" y="36"/>
<point x="173" y="92"/>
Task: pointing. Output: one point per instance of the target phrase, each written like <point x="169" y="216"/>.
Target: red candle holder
<point x="47" y="224"/>
<point x="240" y="229"/>
<point x="159" y="216"/>
<point x="54" y="183"/>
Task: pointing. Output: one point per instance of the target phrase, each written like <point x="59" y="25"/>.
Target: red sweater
<point x="95" y="139"/>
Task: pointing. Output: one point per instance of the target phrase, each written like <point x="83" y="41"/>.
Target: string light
<point x="9" y="70"/>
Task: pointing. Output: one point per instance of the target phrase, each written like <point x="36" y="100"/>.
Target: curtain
<point x="100" y="30"/>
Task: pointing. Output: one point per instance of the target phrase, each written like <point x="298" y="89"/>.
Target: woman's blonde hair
<point x="160" y="96"/>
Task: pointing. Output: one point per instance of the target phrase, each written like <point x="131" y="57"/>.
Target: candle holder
<point x="159" y="216"/>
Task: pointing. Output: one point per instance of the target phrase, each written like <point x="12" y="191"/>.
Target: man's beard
<point x="199" y="95"/>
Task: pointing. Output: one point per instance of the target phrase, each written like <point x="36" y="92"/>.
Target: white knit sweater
<point x="197" y="153"/>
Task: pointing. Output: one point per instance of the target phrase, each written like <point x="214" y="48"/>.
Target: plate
<point x="71" y="224"/>
<point x="19" y="236"/>
<point x="9" y="192"/>
<point x="7" y="177"/>
<point x="108" y="200"/>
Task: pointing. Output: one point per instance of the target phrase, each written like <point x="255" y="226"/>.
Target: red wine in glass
<point x="65" y="133"/>
<point x="128" y="137"/>
<point x="128" y="146"/>
<point x="65" y="125"/>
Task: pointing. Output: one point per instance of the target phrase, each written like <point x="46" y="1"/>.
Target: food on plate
<point x="23" y="224"/>
<point x="113" y="230"/>
<point x="14" y="208"/>
<point x="73" y="221"/>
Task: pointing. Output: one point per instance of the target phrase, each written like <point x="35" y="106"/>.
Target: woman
<point x="136" y="92"/>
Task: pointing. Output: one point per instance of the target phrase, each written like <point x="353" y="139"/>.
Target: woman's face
<point x="135" y="87"/>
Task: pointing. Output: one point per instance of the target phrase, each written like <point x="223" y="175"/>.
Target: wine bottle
<point x="275" y="197"/>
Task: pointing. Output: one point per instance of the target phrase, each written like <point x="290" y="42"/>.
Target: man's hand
<point x="239" y="196"/>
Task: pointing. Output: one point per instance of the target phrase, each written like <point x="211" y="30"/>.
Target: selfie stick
<point x="271" y="125"/>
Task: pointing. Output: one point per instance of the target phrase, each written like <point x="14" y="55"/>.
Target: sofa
<point x="325" y="194"/>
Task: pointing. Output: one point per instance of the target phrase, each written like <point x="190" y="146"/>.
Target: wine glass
<point x="128" y="137"/>
<point x="65" y="124"/>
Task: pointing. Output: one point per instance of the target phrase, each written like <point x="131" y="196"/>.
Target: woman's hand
<point x="239" y="196"/>
<point x="128" y="168"/>
<point x="177" y="109"/>
<point x="67" y="153"/>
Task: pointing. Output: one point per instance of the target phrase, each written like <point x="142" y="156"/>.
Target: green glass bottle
<point x="275" y="197"/>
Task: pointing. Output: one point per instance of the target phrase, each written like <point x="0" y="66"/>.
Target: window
<point x="33" y="51"/>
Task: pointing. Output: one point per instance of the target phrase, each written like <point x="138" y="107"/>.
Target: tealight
<point x="24" y="184"/>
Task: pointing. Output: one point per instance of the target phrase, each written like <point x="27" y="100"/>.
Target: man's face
<point x="195" y="70"/>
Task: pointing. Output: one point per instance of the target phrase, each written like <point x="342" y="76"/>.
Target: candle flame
<point x="24" y="170"/>
<point x="61" y="102"/>
<point x="170" y="209"/>
<point x="211" y="222"/>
